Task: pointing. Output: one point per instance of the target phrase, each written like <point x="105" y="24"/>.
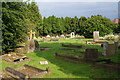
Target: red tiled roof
<point x="116" y="20"/>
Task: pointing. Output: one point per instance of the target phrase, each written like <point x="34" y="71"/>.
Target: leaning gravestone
<point x="96" y="35"/>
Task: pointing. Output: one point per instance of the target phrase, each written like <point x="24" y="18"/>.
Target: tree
<point x="18" y="18"/>
<point x="98" y="23"/>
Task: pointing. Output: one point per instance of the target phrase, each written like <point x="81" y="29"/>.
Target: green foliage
<point x="18" y="18"/>
<point x="98" y="23"/>
<point x="83" y="26"/>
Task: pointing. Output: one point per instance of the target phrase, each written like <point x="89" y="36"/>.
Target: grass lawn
<point x="64" y="69"/>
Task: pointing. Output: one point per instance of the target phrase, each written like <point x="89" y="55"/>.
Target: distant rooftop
<point x="116" y="20"/>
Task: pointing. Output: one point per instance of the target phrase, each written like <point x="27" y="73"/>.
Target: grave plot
<point x="54" y="40"/>
<point x="72" y="46"/>
<point x="45" y="48"/>
<point x="108" y="65"/>
<point x="67" y="49"/>
<point x="70" y="57"/>
<point x="94" y="42"/>
<point x="25" y="72"/>
<point x="73" y="50"/>
<point x="15" y="58"/>
<point x="91" y="56"/>
<point x="79" y="51"/>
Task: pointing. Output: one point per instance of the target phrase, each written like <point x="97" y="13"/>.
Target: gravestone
<point x="91" y="54"/>
<point x="43" y="62"/>
<point x="109" y="49"/>
<point x="30" y="46"/>
<point x="105" y="45"/>
<point x="30" y="34"/>
<point x="48" y="36"/>
<point x="116" y="46"/>
<point x="37" y="46"/>
<point x="57" y="36"/>
<point x="34" y="37"/>
<point x="96" y="35"/>
<point x="62" y="36"/>
<point x="72" y="35"/>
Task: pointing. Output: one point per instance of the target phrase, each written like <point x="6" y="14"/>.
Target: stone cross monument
<point x="30" y="34"/>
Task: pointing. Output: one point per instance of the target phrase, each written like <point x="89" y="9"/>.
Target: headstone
<point x="91" y="54"/>
<point x="48" y="36"/>
<point x="72" y="35"/>
<point x="30" y="34"/>
<point x="105" y="45"/>
<point x="116" y="46"/>
<point x="43" y="62"/>
<point x="29" y="46"/>
<point x="111" y="49"/>
<point x="48" y="69"/>
<point x="34" y="37"/>
<point x="96" y="35"/>
<point x="9" y="54"/>
<point x="37" y="47"/>
<point x="62" y="36"/>
<point x="52" y="37"/>
<point x="57" y="36"/>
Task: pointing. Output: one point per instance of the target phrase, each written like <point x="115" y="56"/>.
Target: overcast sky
<point x="76" y="0"/>
<point x="71" y="9"/>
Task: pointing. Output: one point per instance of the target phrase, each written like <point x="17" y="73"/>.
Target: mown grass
<point x="64" y="69"/>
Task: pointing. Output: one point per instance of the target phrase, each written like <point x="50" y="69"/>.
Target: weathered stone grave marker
<point x="30" y="44"/>
<point x="105" y="45"/>
<point x="109" y="49"/>
<point x="37" y="46"/>
<point x="62" y="36"/>
<point x="30" y="34"/>
<point x="72" y="34"/>
<point x="91" y="54"/>
<point x="96" y="35"/>
<point x="43" y="62"/>
<point x="116" y="46"/>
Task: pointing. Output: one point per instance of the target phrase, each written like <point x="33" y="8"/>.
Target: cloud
<point x="77" y="0"/>
<point x="71" y="9"/>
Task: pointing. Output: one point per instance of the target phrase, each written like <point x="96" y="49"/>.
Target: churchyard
<point x="63" y="57"/>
